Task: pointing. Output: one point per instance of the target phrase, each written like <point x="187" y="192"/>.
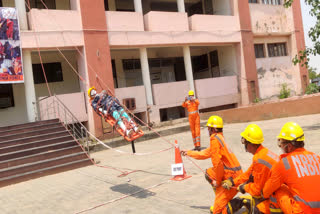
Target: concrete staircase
<point x="37" y="149"/>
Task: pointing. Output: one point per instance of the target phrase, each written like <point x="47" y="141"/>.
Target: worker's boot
<point x="234" y="205"/>
<point x="196" y="148"/>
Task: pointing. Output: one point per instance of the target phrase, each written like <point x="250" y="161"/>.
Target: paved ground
<point x="80" y="189"/>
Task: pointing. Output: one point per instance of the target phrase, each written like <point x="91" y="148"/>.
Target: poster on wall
<point x="10" y="49"/>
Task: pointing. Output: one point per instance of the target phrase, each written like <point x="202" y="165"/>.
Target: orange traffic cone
<point x="178" y="160"/>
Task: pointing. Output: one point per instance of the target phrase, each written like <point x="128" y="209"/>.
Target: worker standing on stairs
<point x="191" y="104"/>
<point x="295" y="179"/>
<point x="254" y="179"/>
<point x="225" y="164"/>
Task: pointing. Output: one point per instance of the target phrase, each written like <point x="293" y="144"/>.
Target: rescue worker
<point x="299" y="169"/>
<point x="225" y="164"/>
<point x="253" y="180"/>
<point x="191" y="104"/>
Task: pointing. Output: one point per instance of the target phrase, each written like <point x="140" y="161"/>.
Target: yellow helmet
<point x="215" y="122"/>
<point x="253" y="134"/>
<point x="191" y="93"/>
<point x="89" y="91"/>
<point x="292" y="132"/>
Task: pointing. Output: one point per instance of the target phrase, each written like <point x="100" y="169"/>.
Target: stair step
<point x="32" y="133"/>
<point x="7" y="128"/>
<point x="32" y="151"/>
<point x="7" y="172"/>
<point x="13" y="148"/>
<point x="34" y="138"/>
<point x="28" y="129"/>
<point x="42" y="172"/>
<point x="39" y="156"/>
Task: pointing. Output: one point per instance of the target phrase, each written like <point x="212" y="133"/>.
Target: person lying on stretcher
<point x="109" y="105"/>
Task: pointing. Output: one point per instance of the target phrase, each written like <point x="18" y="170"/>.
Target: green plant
<point x="285" y="91"/>
<point x="257" y="100"/>
<point x="312" y="88"/>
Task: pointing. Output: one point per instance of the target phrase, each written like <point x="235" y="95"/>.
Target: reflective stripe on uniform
<point x="193" y="112"/>
<point x="275" y="211"/>
<point x="264" y="162"/>
<point x="286" y="163"/>
<point x="219" y="140"/>
<point x="312" y="204"/>
<point x="233" y="168"/>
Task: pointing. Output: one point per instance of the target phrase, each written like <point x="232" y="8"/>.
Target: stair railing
<point x="53" y="108"/>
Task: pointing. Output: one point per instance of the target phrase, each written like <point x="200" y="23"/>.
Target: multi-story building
<point x="153" y="51"/>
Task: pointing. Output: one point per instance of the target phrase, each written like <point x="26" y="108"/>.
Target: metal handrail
<point x="70" y="121"/>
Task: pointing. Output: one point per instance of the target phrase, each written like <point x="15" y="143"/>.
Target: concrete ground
<point x="81" y="189"/>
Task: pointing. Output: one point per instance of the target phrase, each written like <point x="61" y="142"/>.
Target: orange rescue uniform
<point x="262" y="162"/>
<point x="225" y="165"/>
<point x="194" y="119"/>
<point x="300" y="171"/>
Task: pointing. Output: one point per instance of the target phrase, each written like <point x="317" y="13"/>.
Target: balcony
<point x="271" y="19"/>
<point x="137" y="92"/>
<point x="166" y="95"/>
<point x="166" y="21"/>
<point x="124" y="21"/>
<point x="217" y="91"/>
<point x="54" y="28"/>
<point x="214" y="23"/>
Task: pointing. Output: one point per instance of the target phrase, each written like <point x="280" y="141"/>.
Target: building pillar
<point x="181" y="7"/>
<point x="138" y="6"/>
<point x="29" y="86"/>
<point x="27" y="65"/>
<point x="188" y="66"/>
<point x="146" y="75"/>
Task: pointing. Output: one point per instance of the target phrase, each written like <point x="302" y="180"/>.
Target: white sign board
<point x="177" y="169"/>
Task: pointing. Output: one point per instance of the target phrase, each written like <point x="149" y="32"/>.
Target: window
<point x="253" y="1"/>
<point x="277" y="49"/>
<point x="106" y="5"/>
<point x="273" y="2"/>
<point x="200" y="63"/>
<point x="131" y="64"/>
<point x="114" y="73"/>
<point x="53" y="72"/>
<point x="130" y="103"/>
<point x="6" y="96"/>
<point x="259" y="50"/>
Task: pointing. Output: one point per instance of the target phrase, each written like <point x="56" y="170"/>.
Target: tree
<point x="314" y="33"/>
<point x="313" y="73"/>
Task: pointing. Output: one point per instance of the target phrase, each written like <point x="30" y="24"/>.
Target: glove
<point x="241" y="188"/>
<point x="227" y="184"/>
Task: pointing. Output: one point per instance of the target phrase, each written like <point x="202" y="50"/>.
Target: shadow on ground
<point x="137" y="191"/>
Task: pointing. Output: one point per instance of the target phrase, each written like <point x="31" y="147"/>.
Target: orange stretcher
<point x="114" y="124"/>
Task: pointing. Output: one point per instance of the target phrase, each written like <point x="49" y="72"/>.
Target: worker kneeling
<point x="225" y="164"/>
<point x="109" y="105"/>
<point x="254" y="179"/>
<point x="295" y="179"/>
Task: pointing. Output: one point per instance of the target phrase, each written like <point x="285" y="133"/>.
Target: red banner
<point x="10" y="50"/>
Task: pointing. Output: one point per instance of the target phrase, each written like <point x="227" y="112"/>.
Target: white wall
<point x="70" y="83"/>
<point x="227" y="61"/>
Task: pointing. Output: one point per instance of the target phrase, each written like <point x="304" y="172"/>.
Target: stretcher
<point x="109" y="119"/>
